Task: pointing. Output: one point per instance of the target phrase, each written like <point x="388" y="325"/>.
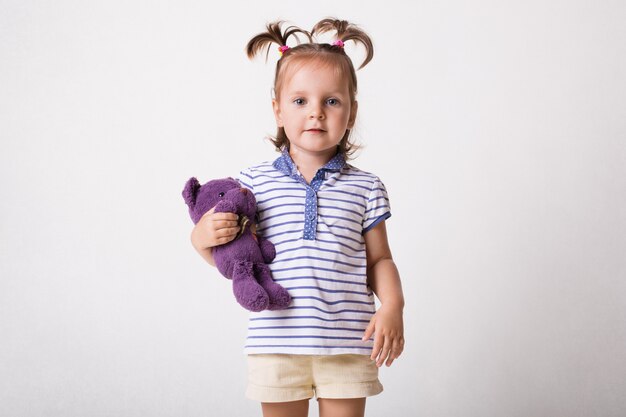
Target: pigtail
<point x="346" y="31"/>
<point x="276" y="35"/>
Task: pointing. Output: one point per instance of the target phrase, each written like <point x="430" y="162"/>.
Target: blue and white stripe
<point x="317" y="229"/>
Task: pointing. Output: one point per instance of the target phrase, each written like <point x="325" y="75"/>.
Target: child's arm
<point x="384" y="279"/>
<point x="213" y="229"/>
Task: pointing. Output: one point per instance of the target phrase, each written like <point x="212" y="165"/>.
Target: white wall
<point x="497" y="126"/>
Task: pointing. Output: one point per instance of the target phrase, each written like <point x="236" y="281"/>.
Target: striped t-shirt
<point x="317" y="230"/>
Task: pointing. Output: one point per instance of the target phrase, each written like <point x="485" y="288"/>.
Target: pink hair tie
<point x="338" y="43"/>
<point x="282" y="49"/>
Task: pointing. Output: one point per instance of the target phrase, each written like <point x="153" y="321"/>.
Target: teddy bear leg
<point x="247" y="290"/>
<point x="279" y="298"/>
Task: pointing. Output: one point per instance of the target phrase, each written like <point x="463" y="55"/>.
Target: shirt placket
<point x="310" y="205"/>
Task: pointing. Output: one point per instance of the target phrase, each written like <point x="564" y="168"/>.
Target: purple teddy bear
<point x="243" y="259"/>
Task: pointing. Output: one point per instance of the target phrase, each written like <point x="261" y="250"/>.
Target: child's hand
<point x="214" y="229"/>
<point x="389" y="340"/>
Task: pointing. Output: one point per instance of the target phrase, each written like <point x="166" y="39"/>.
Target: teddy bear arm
<point x="225" y="206"/>
<point x="267" y="249"/>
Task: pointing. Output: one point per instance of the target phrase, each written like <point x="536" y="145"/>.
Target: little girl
<point x="327" y="221"/>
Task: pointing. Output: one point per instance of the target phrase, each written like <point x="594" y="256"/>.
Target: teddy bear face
<point x="225" y="193"/>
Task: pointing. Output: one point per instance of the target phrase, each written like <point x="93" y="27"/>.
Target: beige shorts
<point x="280" y="377"/>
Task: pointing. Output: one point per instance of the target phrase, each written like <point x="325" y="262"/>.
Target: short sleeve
<point x="245" y="179"/>
<point x="378" y="207"/>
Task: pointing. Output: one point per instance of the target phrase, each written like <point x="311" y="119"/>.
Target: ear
<point x="353" y="110"/>
<point x="277" y="113"/>
<point x="190" y="192"/>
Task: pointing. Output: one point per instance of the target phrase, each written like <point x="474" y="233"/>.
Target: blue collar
<point x="285" y="164"/>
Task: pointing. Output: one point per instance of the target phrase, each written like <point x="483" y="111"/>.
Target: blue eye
<point x="332" y="101"/>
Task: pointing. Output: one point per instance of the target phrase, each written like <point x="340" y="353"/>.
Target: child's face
<point x="315" y="110"/>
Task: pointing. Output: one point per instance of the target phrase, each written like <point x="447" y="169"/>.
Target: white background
<point x="498" y="128"/>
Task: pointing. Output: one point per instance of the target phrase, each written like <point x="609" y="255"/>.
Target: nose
<point x="316" y="113"/>
<point x="244" y="190"/>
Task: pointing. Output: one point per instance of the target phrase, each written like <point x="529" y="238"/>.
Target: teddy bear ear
<point x="190" y="192"/>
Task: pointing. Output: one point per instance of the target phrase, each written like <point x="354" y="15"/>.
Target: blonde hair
<point x="322" y="52"/>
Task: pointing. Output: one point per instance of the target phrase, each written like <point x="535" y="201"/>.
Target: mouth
<point x="315" y="130"/>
